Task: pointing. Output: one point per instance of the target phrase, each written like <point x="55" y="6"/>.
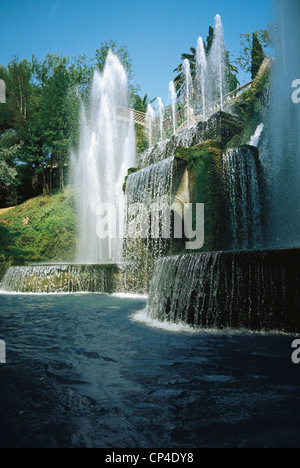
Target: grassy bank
<point x="42" y="229"/>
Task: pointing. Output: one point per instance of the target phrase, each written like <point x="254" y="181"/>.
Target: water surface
<point x="82" y="371"/>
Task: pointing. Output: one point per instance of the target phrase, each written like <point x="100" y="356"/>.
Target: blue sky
<point x="156" y="32"/>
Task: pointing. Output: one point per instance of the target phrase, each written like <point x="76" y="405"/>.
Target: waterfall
<point x="253" y="290"/>
<point x="148" y="193"/>
<point x="243" y="196"/>
<point x="254" y="140"/>
<point x="148" y="223"/>
<point x="202" y="75"/>
<point x="281" y="157"/>
<point x="60" y="279"/>
<point x="151" y="184"/>
<point x="106" y="152"/>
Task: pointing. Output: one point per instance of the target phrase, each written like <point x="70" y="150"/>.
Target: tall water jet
<point x="150" y="119"/>
<point x="160" y="107"/>
<point x="106" y="152"/>
<point x="173" y="100"/>
<point x="217" y="63"/>
<point x="188" y="89"/>
<point x="283" y="147"/>
<point x="202" y="75"/>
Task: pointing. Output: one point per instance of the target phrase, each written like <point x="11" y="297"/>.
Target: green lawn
<point x="42" y="229"/>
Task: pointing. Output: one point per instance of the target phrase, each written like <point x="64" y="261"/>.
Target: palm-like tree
<point x="180" y="78"/>
<point x="179" y="81"/>
<point x="140" y="103"/>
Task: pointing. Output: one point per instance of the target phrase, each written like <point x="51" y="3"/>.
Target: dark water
<point x="81" y="372"/>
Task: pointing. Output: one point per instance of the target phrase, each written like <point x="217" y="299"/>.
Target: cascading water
<point x="60" y="279"/>
<point x="243" y="196"/>
<point x="254" y="290"/>
<point x="254" y="140"/>
<point x="202" y="75"/>
<point x="148" y="195"/>
<point x="281" y="157"/>
<point x="151" y="184"/>
<point x="173" y="100"/>
<point x="217" y="63"/>
<point x="106" y="152"/>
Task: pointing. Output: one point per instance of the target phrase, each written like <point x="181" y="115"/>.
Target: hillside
<point x="42" y="229"/>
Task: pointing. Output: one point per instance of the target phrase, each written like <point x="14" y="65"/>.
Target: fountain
<point x="160" y="107"/>
<point x="230" y="281"/>
<point x="282" y="159"/>
<point x="188" y="89"/>
<point x="106" y="152"/>
<point x="243" y="197"/>
<point x="217" y="63"/>
<point x="254" y="140"/>
<point x="244" y="285"/>
<point x="202" y="75"/>
<point x="173" y="100"/>
<point x="150" y="119"/>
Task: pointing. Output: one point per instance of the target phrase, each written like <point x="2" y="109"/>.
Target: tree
<point x="265" y="36"/>
<point x="42" y="114"/>
<point x="209" y="40"/>
<point x="140" y="104"/>
<point x="257" y="55"/>
<point x="179" y="80"/>
<point x="124" y="56"/>
<point x="9" y="181"/>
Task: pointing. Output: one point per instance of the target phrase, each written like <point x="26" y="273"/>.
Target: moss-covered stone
<point x="204" y="164"/>
<point x="131" y="170"/>
<point x="250" y="105"/>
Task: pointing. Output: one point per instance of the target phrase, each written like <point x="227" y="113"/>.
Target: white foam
<point x="124" y="295"/>
<point x="180" y="327"/>
<point x="143" y="317"/>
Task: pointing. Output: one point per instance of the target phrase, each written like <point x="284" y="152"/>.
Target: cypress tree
<point x="257" y="54"/>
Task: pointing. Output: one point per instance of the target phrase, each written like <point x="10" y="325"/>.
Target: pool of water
<point x="91" y="371"/>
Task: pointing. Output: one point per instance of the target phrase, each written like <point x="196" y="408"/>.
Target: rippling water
<point x="88" y="371"/>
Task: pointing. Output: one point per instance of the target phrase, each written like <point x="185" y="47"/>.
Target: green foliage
<point x="42" y="110"/>
<point x="124" y="56"/>
<point x="42" y="229"/>
<point x="257" y="55"/>
<point x="204" y="163"/>
<point x="140" y="104"/>
<point x="266" y="38"/>
<point x="250" y="104"/>
<point x="209" y="40"/>
<point x="179" y="80"/>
